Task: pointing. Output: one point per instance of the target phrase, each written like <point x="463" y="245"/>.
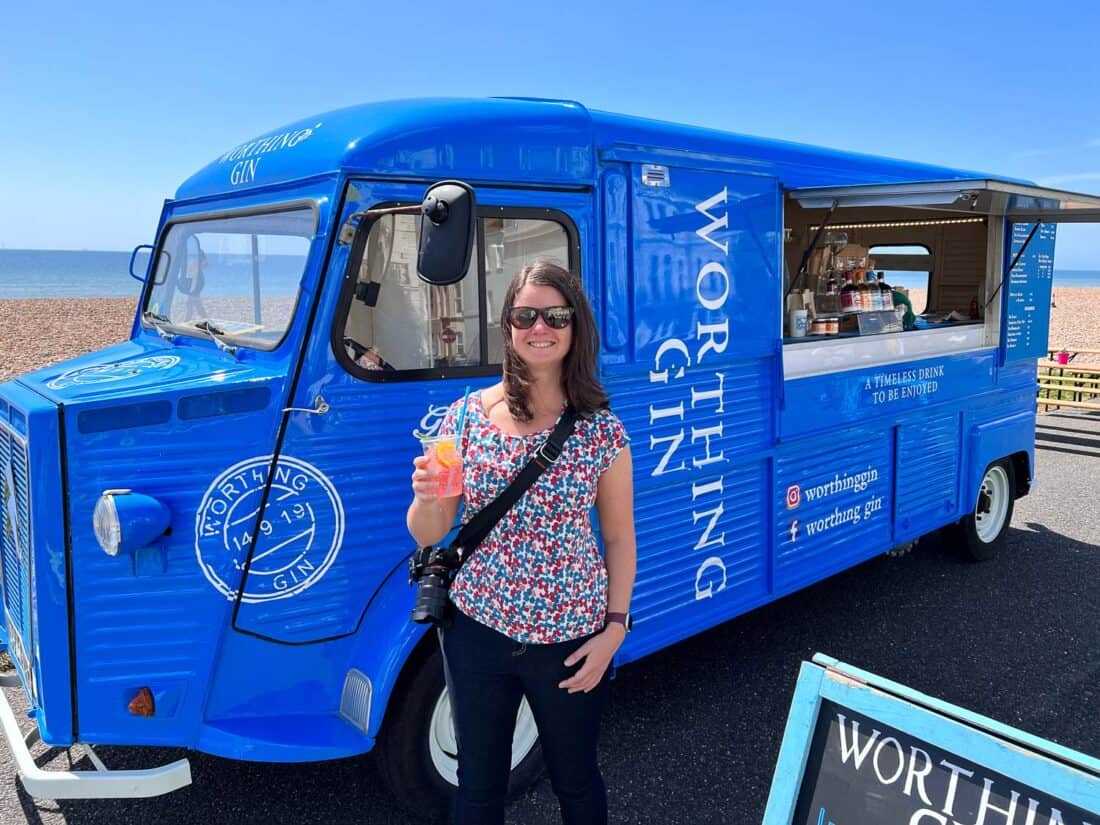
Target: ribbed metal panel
<point x="159" y="624"/>
<point x="366" y="501"/>
<point x="927" y="475"/>
<point x="701" y="495"/>
<point x="654" y="413"/>
<point x="130" y="624"/>
<point x="675" y="540"/>
<point x="841" y="510"/>
<point x="17" y="557"/>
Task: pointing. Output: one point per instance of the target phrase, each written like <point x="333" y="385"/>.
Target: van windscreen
<point x="236" y="278"/>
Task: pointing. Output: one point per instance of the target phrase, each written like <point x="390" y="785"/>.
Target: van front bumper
<point x="101" y="783"/>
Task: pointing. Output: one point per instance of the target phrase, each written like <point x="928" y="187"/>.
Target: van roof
<point x="524" y="140"/>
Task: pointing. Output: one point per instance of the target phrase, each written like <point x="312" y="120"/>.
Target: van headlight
<point x="125" y="520"/>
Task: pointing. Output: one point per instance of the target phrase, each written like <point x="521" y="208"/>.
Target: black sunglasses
<point x="554" y="317"/>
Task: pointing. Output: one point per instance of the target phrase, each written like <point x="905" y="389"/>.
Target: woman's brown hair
<point x="578" y="373"/>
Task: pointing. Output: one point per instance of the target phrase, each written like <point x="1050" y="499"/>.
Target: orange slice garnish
<point x="446" y="454"/>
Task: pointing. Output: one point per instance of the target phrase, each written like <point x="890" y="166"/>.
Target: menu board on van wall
<point x="864" y="751"/>
<point x="1028" y="288"/>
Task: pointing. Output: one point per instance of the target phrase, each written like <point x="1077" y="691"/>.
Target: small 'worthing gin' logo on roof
<point x="298" y="538"/>
<point x="246" y="157"/>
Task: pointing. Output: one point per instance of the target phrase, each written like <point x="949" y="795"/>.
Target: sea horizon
<point x="65" y="273"/>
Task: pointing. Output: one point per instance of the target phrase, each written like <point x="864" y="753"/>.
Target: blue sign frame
<point x="1051" y="769"/>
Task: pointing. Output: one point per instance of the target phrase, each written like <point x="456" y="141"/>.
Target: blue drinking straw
<point x="462" y="413"/>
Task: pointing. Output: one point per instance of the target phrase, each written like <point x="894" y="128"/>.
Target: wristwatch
<point x="625" y="619"/>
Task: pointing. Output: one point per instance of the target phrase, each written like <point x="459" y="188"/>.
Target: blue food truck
<point x="204" y="541"/>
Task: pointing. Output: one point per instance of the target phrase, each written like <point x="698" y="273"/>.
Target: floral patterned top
<point x="538" y="577"/>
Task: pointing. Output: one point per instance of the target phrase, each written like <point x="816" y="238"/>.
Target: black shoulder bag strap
<point x="477" y="528"/>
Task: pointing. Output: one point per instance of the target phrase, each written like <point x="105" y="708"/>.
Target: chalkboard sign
<point x="861" y="771"/>
<point x="1028" y="287"/>
<point x="860" y="750"/>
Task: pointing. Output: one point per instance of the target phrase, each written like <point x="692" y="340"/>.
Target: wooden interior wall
<point x="958" y="250"/>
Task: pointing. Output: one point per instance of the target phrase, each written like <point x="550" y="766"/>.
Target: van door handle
<point x="320" y="407"/>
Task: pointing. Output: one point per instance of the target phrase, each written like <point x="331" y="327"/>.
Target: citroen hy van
<point x="203" y="527"/>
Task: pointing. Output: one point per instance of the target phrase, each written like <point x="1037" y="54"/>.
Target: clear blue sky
<point x="108" y="106"/>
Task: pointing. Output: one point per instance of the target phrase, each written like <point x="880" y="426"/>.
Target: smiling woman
<point x="538" y="611"/>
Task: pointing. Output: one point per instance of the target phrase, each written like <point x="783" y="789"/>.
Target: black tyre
<point x="981" y="534"/>
<point x="416" y="749"/>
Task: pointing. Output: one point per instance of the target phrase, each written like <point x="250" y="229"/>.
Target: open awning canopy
<point x="1015" y="201"/>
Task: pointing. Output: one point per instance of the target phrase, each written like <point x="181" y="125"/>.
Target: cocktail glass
<point x="445" y="462"/>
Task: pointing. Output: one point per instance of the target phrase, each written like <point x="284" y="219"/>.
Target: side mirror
<point x="141" y="258"/>
<point x="447" y="227"/>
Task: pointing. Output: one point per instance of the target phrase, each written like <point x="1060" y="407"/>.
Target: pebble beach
<point x="37" y="332"/>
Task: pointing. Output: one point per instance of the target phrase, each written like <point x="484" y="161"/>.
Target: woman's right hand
<point x="430" y="517"/>
<point x="425" y="482"/>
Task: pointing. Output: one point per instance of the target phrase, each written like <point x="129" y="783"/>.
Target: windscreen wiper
<point x="215" y="332"/>
<point x="158" y="322"/>
<point x="206" y="325"/>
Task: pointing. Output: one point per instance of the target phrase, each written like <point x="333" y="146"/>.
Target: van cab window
<point x="395" y="322"/>
<point x="234" y="278"/>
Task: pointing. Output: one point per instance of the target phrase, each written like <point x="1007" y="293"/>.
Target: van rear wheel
<point x="981" y="533"/>
<point x="417" y="753"/>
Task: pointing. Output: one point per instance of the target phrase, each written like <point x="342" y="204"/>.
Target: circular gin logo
<point x="107" y="373"/>
<point x="297" y="539"/>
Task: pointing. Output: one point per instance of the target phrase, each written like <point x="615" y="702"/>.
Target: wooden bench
<point x="1080" y="382"/>
<point x="1074" y="368"/>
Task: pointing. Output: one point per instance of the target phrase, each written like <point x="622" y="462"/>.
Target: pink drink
<point x="445" y="461"/>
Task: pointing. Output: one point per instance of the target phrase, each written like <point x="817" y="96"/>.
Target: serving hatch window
<point x="936" y="265"/>
<point x="235" y="279"/>
<point x="396" y="323"/>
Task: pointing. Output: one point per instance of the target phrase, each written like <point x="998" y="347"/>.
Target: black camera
<point x="433" y="569"/>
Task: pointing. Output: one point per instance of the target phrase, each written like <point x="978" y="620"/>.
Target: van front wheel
<point x="417" y="751"/>
<point x="982" y="532"/>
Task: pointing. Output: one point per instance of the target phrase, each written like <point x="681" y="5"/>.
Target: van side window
<point x="396" y="323"/>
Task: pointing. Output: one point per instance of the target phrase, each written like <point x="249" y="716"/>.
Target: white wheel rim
<point x="444" y="746"/>
<point x="992" y="507"/>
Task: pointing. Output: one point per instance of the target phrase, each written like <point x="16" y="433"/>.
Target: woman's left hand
<point x="597" y="653"/>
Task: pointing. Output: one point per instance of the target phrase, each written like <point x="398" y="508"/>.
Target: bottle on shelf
<point x="876" y="293"/>
<point x="886" y="291"/>
<point x="849" y="295"/>
<point x="866" y="302"/>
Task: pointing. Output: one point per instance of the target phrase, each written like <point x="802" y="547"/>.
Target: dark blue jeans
<point x="488" y="674"/>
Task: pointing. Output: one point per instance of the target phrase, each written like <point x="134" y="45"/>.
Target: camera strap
<point x="477" y="528"/>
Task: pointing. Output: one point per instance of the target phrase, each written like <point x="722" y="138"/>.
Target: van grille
<point x="15" y="545"/>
